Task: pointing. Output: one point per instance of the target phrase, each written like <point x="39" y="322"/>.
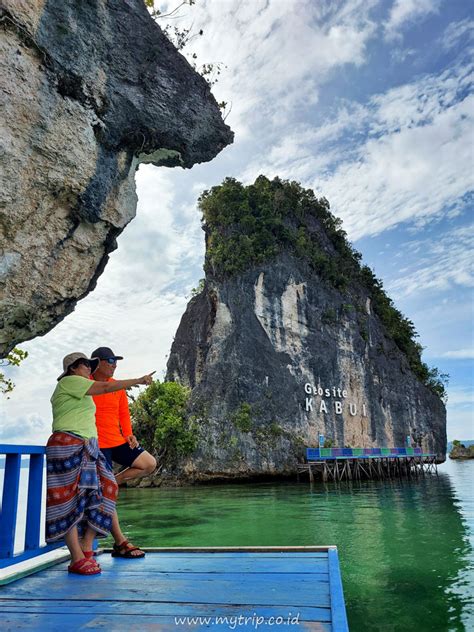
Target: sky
<point x="369" y="103"/>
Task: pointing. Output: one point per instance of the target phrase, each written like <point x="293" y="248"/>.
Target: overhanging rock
<point x="89" y="90"/>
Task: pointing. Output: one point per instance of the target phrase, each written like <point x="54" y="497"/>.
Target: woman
<point x="81" y="488"/>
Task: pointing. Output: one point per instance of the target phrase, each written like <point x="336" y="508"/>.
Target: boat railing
<point x="12" y="466"/>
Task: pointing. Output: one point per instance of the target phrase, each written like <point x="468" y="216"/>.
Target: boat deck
<point x="171" y="589"/>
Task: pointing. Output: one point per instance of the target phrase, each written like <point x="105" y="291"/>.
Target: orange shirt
<point x="112" y="418"/>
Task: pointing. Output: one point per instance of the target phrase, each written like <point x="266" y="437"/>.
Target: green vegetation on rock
<point x="242" y="418"/>
<point x="249" y="225"/>
<point x="160" y="421"/>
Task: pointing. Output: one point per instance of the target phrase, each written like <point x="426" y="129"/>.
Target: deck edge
<point x="33" y="565"/>
<point x="338" y="606"/>
<point x="234" y="549"/>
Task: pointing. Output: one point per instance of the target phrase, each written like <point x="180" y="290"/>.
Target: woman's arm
<point x="99" y="388"/>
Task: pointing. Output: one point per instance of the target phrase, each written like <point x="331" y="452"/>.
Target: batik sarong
<point x="81" y="489"/>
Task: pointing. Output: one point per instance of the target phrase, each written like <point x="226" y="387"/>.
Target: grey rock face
<point x="88" y="91"/>
<point x="248" y="345"/>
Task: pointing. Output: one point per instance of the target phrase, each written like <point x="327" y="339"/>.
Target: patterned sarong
<point x="81" y="488"/>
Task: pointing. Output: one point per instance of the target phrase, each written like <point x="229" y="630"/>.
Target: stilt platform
<point x="216" y="589"/>
<point x="337" y="464"/>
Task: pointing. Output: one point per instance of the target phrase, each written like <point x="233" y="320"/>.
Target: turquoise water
<point x="405" y="547"/>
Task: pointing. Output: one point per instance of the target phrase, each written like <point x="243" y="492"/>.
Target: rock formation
<point x="291" y="338"/>
<point x="461" y="451"/>
<point x="88" y="91"/>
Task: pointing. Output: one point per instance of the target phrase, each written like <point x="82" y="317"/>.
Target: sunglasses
<point x="110" y="360"/>
<point x="79" y="362"/>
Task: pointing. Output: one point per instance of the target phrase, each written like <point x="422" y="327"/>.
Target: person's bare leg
<point x="88" y="539"/>
<point x="143" y="465"/>
<point x="116" y="531"/>
<point x="72" y="541"/>
<point x="118" y="535"/>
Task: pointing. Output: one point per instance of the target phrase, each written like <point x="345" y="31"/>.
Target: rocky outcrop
<point x="276" y="355"/>
<point x="460" y="451"/>
<point x="88" y="91"/>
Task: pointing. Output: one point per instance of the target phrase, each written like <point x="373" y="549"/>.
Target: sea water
<point x="406" y="547"/>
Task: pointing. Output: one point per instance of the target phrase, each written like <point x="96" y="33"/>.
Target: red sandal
<point x="84" y="566"/>
<point x="125" y="549"/>
<point x="89" y="554"/>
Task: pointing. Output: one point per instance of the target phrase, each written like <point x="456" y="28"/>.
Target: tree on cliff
<point x="13" y="359"/>
<point x="180" y="37"/>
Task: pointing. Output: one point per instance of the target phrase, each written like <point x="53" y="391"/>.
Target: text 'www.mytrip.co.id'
<point x="234" y="622"/>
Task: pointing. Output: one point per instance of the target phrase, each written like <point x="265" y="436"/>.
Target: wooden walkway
<point x="296" y="588"/>
<point x="339" y="464"/>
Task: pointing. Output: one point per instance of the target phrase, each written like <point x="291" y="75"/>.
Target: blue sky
<point x="367" y="102"/>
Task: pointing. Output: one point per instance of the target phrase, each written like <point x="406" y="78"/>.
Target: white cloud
<point x="457" y="31"/>
<point x="30" y="429"/>
<point x="278" y="54"/>
<point x="461" y="398"/>
<point x="406" y="12"/>
<point x="460" y="409"/>
<point x="441" y="265"/>
<point x="460" y="424"/>
<point x="460" y="354"/>
<point x="405" y="156"/>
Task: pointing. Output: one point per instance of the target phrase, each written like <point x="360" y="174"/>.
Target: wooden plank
<point x="22" y="565"/>
<point x="215" y="566"/>
<point x="59" y="623"/>
<point x="228" y="575"/>
<point x="22" y="449"/>
<point x="11" y="485"/>
<point x="215" y="550"/>
<point x="8" y="566"/>
<point x="33" y="515"/>
<point x="134" y="574"/>
<point x="235" y="589"/>
<point x="157" y="608"/>
<point x="338" y="608"/>
<point x="231" y="554"/>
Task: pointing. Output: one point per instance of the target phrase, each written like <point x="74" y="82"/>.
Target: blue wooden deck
<point x="302" y="585"/>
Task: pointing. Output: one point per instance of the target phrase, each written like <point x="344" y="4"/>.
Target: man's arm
<point x="125" y="421"/>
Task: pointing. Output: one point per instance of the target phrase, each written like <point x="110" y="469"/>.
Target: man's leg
<point x="119" y="537"/>
<point x="144" y="464"/>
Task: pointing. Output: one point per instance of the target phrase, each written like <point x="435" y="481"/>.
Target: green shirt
<point x="73" y="410"/>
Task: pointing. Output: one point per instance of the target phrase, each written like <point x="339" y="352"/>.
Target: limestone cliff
<point x="291" y="338"/>
<point x="88" y="91"/>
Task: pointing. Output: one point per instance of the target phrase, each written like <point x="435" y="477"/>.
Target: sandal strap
<point x="126" y="546"/>
<point x="133" y="548"/>
<point x="122" y="545"/>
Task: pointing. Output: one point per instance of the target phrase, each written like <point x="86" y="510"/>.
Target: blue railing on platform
<point x="321" y="454"/>
<point x="10" y="497"/>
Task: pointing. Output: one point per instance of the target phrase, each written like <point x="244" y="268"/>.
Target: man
<point x="117" y="441"/>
